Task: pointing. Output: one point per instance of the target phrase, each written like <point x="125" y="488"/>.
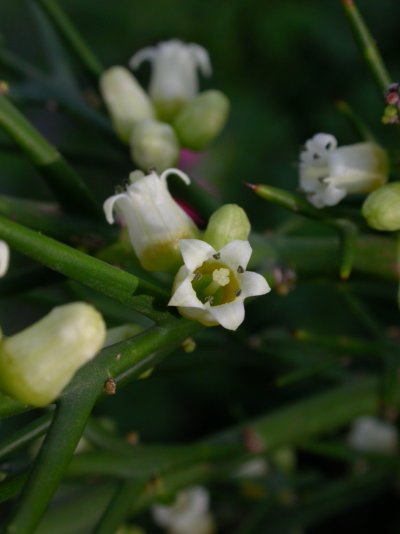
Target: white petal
<point x="108" y="206"/>
<point x="195" y="252"/>
<point x="201" y="57"/>
<point x="4" y="258"/>
<point x="229" y="315"/>
<point x="236" y="253"/>
<point x="253" y="284"/>
<point x="144" y="54"/>
<point x="183" y="176"/>
<point x="185" y="295"/>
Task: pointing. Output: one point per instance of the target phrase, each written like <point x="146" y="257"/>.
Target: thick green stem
<point x="367" y="45"/>
<point x="81" y="267"/>
<point x="65" y="183"/>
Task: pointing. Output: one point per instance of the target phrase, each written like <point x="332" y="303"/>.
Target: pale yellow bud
<point x="228" y="223"/>
<point x="37" y="363"/>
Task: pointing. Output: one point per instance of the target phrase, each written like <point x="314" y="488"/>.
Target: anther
<point x="240" y="269"/>
<point x="197" y="277"/>
<point x="217" y="256"/>
<point x="238" y="292"/>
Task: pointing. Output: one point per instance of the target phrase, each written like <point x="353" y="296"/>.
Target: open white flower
<point x="329" y="172"/>
<point x="369" y="434"/>
<point x="189" y="514"/>
<point x="174" y="78"/>
<point x="155" y="221"/>
<point x="211" y="286"/>
<point x="4" y="258"/>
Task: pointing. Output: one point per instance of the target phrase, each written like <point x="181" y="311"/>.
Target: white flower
<point x="188" y="515"/>
<point x="254" y="468"/>
<point x="174" y="78"/>
<point x="370" y="434"/>
<point x="155" y="221"/>
<point x="211" y="286"/>
<point x="328" y="173"/>
<point x="4" y="258"/>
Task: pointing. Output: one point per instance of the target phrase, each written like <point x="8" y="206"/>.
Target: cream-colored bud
<point x="154" y="145"/>
<point x="381" y="208"/>
<point x="202" y="119"/>
<point x="37" y="363"/>
<point x="227" y="224"/>
<point x="126" y="101"/>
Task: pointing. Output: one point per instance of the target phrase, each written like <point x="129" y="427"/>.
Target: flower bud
<point x="154" y="145"/>
<point x="381" y="208"/>
<point x="4" y="258"/>
<point x="155" y="221"/>
<point x="202" y="119"/>
<point x="227" y="224"/>
<point x="173" y="80"/>
<point x="37" y="363"/>
<point x="126" y="101"/>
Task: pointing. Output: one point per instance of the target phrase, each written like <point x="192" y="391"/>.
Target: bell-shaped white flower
<point x="329" y="172"/>
<point x="211" y="286"/>
<point x="189" y="514"/>
<point x="4" y="258"/>
<point x="369" y="434"/>
<point x="174" y="78"/>
<point x="155" y="221"/>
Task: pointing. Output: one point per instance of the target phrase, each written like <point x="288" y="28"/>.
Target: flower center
<point x="215" y="283"/>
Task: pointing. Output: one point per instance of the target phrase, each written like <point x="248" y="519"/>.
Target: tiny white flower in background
<point x="211" y="286"/>
<point x="4" y="258"/>
<point x="174" y="73"/>
<point x="189" y="514"/>
<point x="328" y="172"/>
<point x="254" y="468"/>
<point x="369" y="434"/>
<point x="155" y="221"/>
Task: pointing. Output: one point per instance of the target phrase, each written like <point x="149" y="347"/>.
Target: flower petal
<point x="253" y="284"/>
<point x="236" y="253"/>
<point x="229" y="315"/>
<point x="185" y="295"/>
<point x="108" y="206"/>
<point x="195" y="252"/>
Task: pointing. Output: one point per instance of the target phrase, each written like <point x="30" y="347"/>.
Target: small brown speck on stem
<point x="110" y="386"/>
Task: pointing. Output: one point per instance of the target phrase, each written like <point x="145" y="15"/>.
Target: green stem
<point x="26" y="435"/>
<point x="81" y="267"/>
<point x="367" y="45"/>
<point x="65" y="183"/>
<point x="120" y="506"/>
<point x="72" y="37"/>
<point x="73" y="409"/>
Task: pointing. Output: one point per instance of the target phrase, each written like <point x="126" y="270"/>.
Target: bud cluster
<point x="392" y="109"/>
<point x="172" y="114"/>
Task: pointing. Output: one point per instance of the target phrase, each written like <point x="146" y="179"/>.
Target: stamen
<point x="217" y="256"/>
<point x="197" y="277"/>
<point x="240" y="269"/>
<point x="221" y="277"/>
<point x="238" y="292"/>
<point x="209" y="299"/>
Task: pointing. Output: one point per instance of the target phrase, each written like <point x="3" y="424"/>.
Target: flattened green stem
<point x="25" y="435"/>
<point x="65" y="183"/>
<point x="72" y="36"/>
<point x="346" y="229"/>
<point x="81" y="267"/>
<point x="367" y="45"/>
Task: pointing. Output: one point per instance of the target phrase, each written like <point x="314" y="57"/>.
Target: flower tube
<point x="155" y="221"/>
<point x="328" y="172"/>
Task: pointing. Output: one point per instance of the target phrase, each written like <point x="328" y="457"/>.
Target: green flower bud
<point x="154" y="146"/>
<point x="37" y="363"/>
<point x="381" y="208"/>
<point x="227" y="224"/>
<point x="126" y="101"/>
<point x="201" y="120"/>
